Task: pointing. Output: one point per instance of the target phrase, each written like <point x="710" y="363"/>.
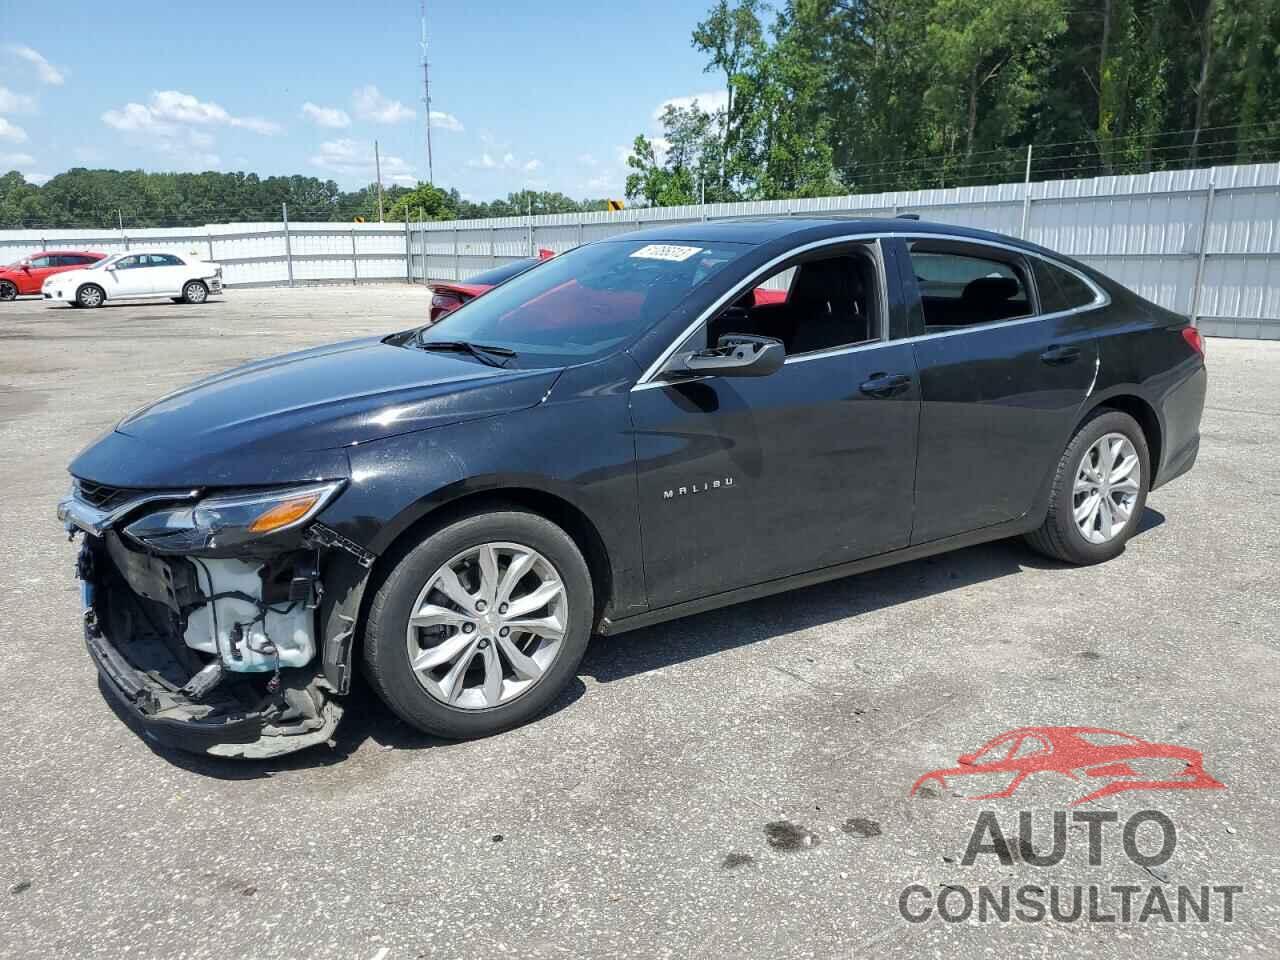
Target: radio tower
<point x="426" y="94"/>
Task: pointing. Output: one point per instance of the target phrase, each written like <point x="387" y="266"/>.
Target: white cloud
<point x="11" y="102"/>
<point x="12" y="132"/>
<point x="445" y="121"/>
<point x="711" y="101"/>
<point x="372" y="105"/>
<point x="331" y="117"/>
<point x="354" y="158"/>
<point x="405" y="180"/>
<point x="200" y="139"/>
<point x="587" y="160"/>
<point x="508" y="161"/>
<point x="39" y="179"/>
<point x="45" y="71"/>
<point x="15" y="161"/>
<point x="169" y="108"/>
<point x="134" y="116"/>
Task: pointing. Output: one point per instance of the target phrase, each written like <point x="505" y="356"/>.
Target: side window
<point x="816" y="305"/>
<point x="962" y="289"/>
<point x="1060" y="289"/>
<point x="44" y="261"/>
<point x="127" y="263"/>
<point x="168" y="260"/>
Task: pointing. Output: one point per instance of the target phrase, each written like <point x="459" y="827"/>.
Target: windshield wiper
<point x="481" y="351"/>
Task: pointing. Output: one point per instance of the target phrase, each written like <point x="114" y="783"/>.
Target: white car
<point x="136" y="275"/>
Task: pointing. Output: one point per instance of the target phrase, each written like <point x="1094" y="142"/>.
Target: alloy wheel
<point x="196" y="293"/>
<point x="8" y="291"/>
<point x="487" y="626"/>
<point x="90" y="297"/>
<point x="1106" y="487"/>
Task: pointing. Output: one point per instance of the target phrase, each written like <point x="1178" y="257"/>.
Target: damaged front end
<point x="223" y="623"/>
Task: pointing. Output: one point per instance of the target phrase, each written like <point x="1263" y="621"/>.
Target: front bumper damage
<point x="139" y="613"/>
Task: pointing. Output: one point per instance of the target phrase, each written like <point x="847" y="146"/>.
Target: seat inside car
<point x="830" y="304"/>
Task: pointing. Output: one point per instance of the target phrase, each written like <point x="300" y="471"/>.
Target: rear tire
<point x="463" y="647"/>
<point x="1095" y="504"/>
<point x="90" y="295"/>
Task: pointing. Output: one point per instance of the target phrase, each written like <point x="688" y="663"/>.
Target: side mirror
<point x="26" y="265"/>
<point x="738" y="355"/>
<point x="110" y="268"/>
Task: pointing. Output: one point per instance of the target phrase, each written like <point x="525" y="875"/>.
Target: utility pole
<point x="377" y="165"/>
<point x="426" y="94"/>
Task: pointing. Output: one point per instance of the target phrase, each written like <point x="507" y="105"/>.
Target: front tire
<point x="195" y="292"/>
<point x="479" y="627"/>
<point x="90" y="295"/>
<point x="8" y="290"/>
<point x="1099" y="491"/>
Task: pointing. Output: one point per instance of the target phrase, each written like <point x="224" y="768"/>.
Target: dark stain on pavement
<point x="861" y="827"/>
<point x="789" y="837"/>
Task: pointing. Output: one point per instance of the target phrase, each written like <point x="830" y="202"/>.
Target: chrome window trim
<point x="1101" y="299"/>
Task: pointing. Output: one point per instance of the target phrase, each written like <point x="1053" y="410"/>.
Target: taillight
<point x="1194" y="340"/>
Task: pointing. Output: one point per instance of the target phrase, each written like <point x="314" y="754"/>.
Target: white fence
<point x="1201" y="242"/>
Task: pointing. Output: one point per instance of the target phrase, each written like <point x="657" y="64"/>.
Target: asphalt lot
<point x="641" y="816"/>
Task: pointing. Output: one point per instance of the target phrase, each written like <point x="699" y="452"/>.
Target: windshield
<point x="585" y="303"/>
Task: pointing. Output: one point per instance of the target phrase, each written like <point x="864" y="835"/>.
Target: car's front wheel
<point x="90" y="295"/>
<point x="1099" y="491"/>
<point x="479" y="627"/>
<point x="195" y="292"/>
<point x="8" y="290"/>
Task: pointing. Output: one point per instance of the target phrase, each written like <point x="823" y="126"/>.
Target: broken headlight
<point x="226" y="520"/>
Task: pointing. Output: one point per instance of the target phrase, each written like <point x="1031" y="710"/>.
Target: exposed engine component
<point x="235" y="624"/>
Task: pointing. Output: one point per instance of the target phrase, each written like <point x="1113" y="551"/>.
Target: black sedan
<point x="625" y="435"/>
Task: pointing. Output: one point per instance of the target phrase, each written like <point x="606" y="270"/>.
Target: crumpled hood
<point x="271" y="417"/>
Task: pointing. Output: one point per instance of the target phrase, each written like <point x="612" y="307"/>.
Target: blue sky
<point x="545" y="95"/>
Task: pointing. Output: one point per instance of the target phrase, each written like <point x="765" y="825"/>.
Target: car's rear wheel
<point x="8" y="290"/>
<point x="1099" y="491"/>
<point x="478" y="628"/>
<point x="90" y="295"/>
<point x="195" y="292"/>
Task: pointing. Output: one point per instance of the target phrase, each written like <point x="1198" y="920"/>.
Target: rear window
<point x="1060" y="289"/>
<point x="588" y="302"/>
<point x="497" y="275"/>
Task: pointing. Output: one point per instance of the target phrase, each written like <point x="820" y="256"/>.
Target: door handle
<point x="885" y="384"/>
<point x="1058" y="354"/>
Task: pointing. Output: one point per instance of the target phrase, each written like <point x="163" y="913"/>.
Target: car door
<point x="129" y="277"/>
<point x="168" y="273"/>
<point x="1001" y="383"/>
<point x="33" y="276"/>
<point x="742" y="480"/>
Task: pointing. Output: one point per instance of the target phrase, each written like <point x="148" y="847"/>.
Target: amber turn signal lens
<point x="283" y="514"/>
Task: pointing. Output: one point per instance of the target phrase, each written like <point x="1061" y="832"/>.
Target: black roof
<point x="765" y="229"/>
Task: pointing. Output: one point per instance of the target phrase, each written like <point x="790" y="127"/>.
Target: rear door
<point x="743" y="480"/>
<point x="169" y="272"/>
<point x="1002" y="383"/>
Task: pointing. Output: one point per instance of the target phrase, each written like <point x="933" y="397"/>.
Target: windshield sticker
<point x="666" y="251"/>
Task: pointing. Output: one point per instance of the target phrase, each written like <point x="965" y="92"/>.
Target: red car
<point x="1083" y="754"/>
<point x="26" y="276"/>
<point x="448" y="297"/>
